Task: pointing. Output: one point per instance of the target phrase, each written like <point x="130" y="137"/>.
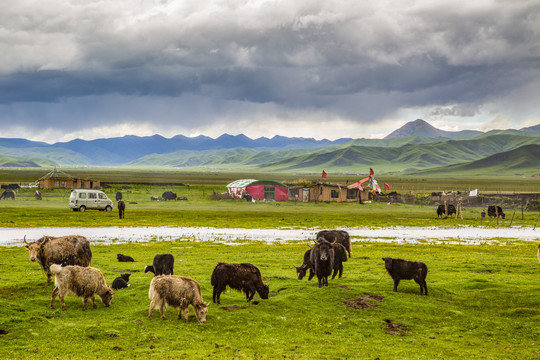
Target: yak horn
<point x="24" y="240"/>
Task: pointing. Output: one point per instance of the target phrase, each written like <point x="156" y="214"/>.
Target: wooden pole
<point x="445" y="209"/>
<point x="536" y="222"/>
<point x="497" y="214"/>
<point x="513" y="217"/>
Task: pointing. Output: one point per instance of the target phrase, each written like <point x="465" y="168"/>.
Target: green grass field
<point x="483" y="303"/>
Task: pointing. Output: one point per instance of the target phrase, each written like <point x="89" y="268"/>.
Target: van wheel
<point x="108" y="208"/>
<point x="82" y="208"/>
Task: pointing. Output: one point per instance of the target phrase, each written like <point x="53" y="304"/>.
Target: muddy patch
<point x="395" y="328"/>
<point x="366" y="301"/>
<point x="233" y="308"/>
<point x="344" y="287"/>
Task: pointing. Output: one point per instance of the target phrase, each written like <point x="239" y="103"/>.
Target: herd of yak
<point x="68" y="258"/>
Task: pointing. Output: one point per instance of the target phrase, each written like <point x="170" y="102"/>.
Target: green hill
<point x="20" y="161"/>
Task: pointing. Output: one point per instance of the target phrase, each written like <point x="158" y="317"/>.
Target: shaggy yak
<point x="178" y="292"/>
<point x="451" y="210"/>
<point x="124" y="258"/>
<point x="80" y="281"/>
<point x="340" y="256"/>
<point x="121" y="209"/>
<point x="340" y="236"/>
<point x="242" y="277"/>
<point x="402" y="269"/>
<point x="65" y="250"/>
<point x="322" y="260"/>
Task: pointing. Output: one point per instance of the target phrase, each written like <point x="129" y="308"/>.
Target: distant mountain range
<point x="416" y="146"/>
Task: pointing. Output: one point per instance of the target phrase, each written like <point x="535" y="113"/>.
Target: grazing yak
<point x="451" y="210"/>
<point x="124" y="258"/>
<point x="7" y="194"/>
<point x="121" y="282"/>
<point x="340" y="236"/>
<point x="400" y="269"/>
<point x="340" y="256"/>
<point x="495" y="211"/>
<point x="118" y="196"/>
<point x="163" y="264"/>
<point x="121" y="209"/>
<point x="37" y="195"/>
<point x="322" y="260"/>
<point x="178" y="292"/>
<point x="80" y="281"/>
<point x="242" y="277"/>
<point x="64" y="250"/>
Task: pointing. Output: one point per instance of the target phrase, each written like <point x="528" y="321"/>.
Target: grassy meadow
<point x="483" y="300"/>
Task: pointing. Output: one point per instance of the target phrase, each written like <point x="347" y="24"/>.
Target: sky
<point x="324" y="69"/>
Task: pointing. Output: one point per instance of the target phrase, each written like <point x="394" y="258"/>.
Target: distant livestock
<point x="178" y="292"/>
<point x="168" y="195"/>
<point x="163" y="264"/>
<point x="451" y="210"/>
<point x="494" y="211"/>
<point x="121" y="282"/>
<point x="37" y="195"/>
<point x="80" y="281"/>
<point x="400" y="269"/>
<point x="121" y="209"/>
<point x="340" y="256"/>
<point x="7" y="194"/>
<point x="322" y="260"/>
<point x="10" y="186"/>
<point x="65" y="250"/>
<point x="340" y="236"/>
<point x="154" y="198"/>
<point x="538" y="253"/>
<point x="118" y="196"/>
<point x="124" y="258"/>
<point x="241" y="277"/>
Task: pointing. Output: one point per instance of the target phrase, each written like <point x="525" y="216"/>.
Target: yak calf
<point x="124" y="258"/>
<point x="242" y="277"/>
<point x="121" y="282"/>
<point x="178" y="292"/>
<point x="80" y="281"/>
<point x="402" y="269"/>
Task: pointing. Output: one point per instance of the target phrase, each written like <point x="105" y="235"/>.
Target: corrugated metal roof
<point x="241" y="183"/>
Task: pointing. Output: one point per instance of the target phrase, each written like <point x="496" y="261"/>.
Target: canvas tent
<point x="259" y="189"/>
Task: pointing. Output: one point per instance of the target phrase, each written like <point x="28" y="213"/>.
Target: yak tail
<point x="213" y="278"/>
<point x="55" y="268"/>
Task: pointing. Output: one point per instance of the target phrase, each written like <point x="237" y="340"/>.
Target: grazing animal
<point x="168" y="195"/>
<point x="124" y="258"/>
<point x="121" y="209"/>
<point x="538" y="253"/>
<point x="154" y="198"/>
<point x="178" y="292"/>
<point x="340" y="256"/>
<point x="306" y="264"/>
<point x="163" y="264"/>
<point x="118" y="196"/>
<point x="121" y="282"/>
<point x="7" y="194"/>
<point x="65" y="250"/>
<point x="37" y="195"/>
<point x="242" y="277"/>
<point x="80" y="281"/>
<point x="451" y="210"/>
<point x="340" y="236"/>
<point x="322" y="260"/>
<point x="495" y="211"/>
<point x="400" y="269"/>
<point x="483" y="213"/>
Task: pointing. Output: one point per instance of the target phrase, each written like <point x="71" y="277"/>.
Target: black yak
<point x="242" y="277"/>
<point x="495" y="211"/>
<point x="451" y="210"/>
<point x="163" y="264"/>
<point x="124" y="258"/>
<point x="121" y="282"/>
<point x="402" y="269"/>
<point x="64" y="250"/>
<point x="322" y="260"/>
<point x="340" y="236"/>
<point x="121" y="209"/>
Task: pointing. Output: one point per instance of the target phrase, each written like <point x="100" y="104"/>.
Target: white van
<point x="83" y="199"/>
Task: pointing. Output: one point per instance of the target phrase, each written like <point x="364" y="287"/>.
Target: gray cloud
<point x="193" y="62"/>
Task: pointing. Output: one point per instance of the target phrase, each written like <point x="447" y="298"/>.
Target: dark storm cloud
<point x="352" y="60"/>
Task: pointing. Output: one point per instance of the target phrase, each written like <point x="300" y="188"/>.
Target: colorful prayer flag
<point x="324" y="175"/>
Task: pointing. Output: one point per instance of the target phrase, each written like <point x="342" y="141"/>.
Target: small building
<point x="323" y="191"/>
<point x="269" y="190"/>
<point x="57" y="179"/>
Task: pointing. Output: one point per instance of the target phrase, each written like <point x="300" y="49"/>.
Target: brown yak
<point x="64" y="250"/>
